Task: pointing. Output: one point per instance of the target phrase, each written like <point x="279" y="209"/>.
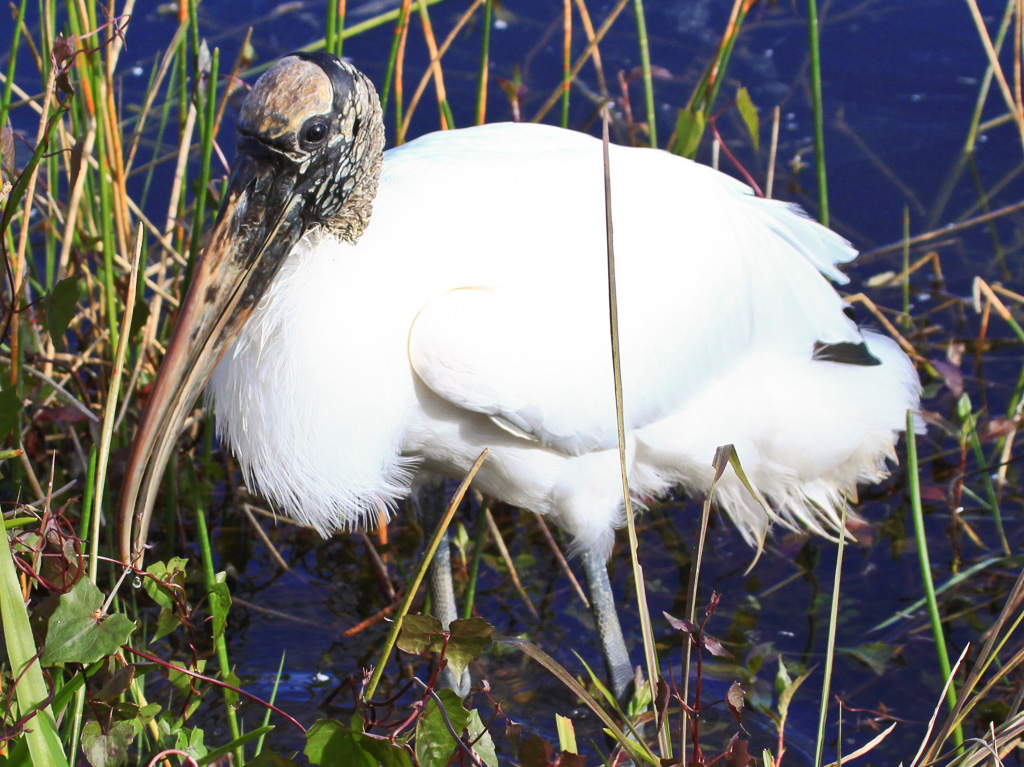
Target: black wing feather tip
<point x="846" y="353"/>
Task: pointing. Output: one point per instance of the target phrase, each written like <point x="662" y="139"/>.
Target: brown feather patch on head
<point x="284" y="97"/>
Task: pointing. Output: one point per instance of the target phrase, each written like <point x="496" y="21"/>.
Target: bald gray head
<point x="322" y="116"/>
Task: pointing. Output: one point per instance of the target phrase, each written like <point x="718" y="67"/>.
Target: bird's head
<point x="310" y="134"/>
<point x="310" y="146"/>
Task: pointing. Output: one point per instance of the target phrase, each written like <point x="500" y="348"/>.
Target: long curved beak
<point x="258" y="223"/>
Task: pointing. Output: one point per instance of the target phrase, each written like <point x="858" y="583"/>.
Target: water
<point x="902" y="77"/>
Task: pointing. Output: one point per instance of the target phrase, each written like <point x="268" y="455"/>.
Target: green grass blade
<point x="833" y="620"/>
<point x="213" y="596"/>
<point x="645" y="65"/>
<point x="414" y="585"/>
<point x="474" y="566"/>
<point x="485" y="54"/>
<point x="265" y="727"/>
<point x="967" y="419"/>
<point x="914" y="487"/>
<point x="30" y="689"/>
<point x="650" y="651"/>
<point x="635" y="750"/>
<point x="819" y="118"/>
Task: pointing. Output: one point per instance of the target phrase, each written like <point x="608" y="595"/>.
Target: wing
<point x="484" y="350"/>
<point x="707" y="274"/>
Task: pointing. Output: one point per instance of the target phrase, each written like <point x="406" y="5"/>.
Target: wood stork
<point x="378" y="318"/>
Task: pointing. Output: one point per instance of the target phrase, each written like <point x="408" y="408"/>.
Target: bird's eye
<point x="314" y="132"/>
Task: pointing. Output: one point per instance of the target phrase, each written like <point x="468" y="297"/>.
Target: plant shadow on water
<point x="900" y="86"/>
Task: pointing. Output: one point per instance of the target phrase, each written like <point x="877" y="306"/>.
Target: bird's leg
<point x="613" y="644"/>
<point x="432" y="501"/>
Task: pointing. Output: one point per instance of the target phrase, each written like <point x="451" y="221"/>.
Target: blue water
<point x="903" y="75"/>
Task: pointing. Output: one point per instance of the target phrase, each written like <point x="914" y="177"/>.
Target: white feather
<point x="473" y="313"/>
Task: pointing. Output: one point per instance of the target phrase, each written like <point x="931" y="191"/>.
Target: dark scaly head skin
<point x="324" y="116"/>
<point x="310" y="147"/>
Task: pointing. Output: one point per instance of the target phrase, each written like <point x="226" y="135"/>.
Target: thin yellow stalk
<point x="587" y="52"/>
<point x="506" y="557"/>
<point x="110" y="408"/>
<point x="74" y="200"/>
<point x="18" y="267"/>
<point x="154" y="90"/>
<point x="422" y="85"/>
<point x="664" y="744"/>
<point x="435" y="63"/>
<point x="588" y="29"/>
<point x="399" y="57"/>
<point x="171" y="222"/>
<point x="997" y="69"/>
<point x="417" y="581"/>
<point x="772" y="152"/>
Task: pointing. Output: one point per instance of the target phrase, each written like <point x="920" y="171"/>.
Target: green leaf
<point x="183" y="682"/>
<point x="220" y="603"/>
<point x="117" y="684"/>
<point x="172" y="573"/>
<point x="460" y="539"/>
<point x="147" y="713"/>
<point x="434" y="742"/>
<point x="216" y="756"/>
<point x="60" y="307"/>
<point x="191" y="742"/>
<point x="10" y="406"/>
<point x="788" y="688"/>
<point x="874" y="654"/>
<point x="76" y="634"/>
<point x="107" y="749"/>
<point x="468" y="639"/>
<point x="484" y="745"/>
<point x="420" y="633"/>
<point x="332" y="744"/>
<point x="167" y="622"/>
<point x="566" y="734"/>
<point x="689" y="129"/>
<point x="749" y="114"/>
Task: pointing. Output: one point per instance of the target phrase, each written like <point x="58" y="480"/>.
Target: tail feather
<point x="806" y="435"/>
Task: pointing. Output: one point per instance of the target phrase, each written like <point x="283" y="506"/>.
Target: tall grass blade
<point x="650" y="652"/>
<point x="30" y="687"/>
<point x="833" y="620"/>
<point x="819" y="117"/>
<point x="968" y="421"/>
<point x="723" y="456"/>
<point x="645" y="65"/>
<point x="485" y="54"/>
<point x="566" y="57"/>
<point x="113" y="391"/>
<point x="914" y="488"/>
<point x="635" y="750"/>
<point x="219" y="603"/>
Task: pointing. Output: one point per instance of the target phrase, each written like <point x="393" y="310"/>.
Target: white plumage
<point x="378" y="322"/>
<point x="473" y="313"/>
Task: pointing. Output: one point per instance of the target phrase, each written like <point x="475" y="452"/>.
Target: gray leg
<point x="433" y="502"/>
<point x="613" y="645"/>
